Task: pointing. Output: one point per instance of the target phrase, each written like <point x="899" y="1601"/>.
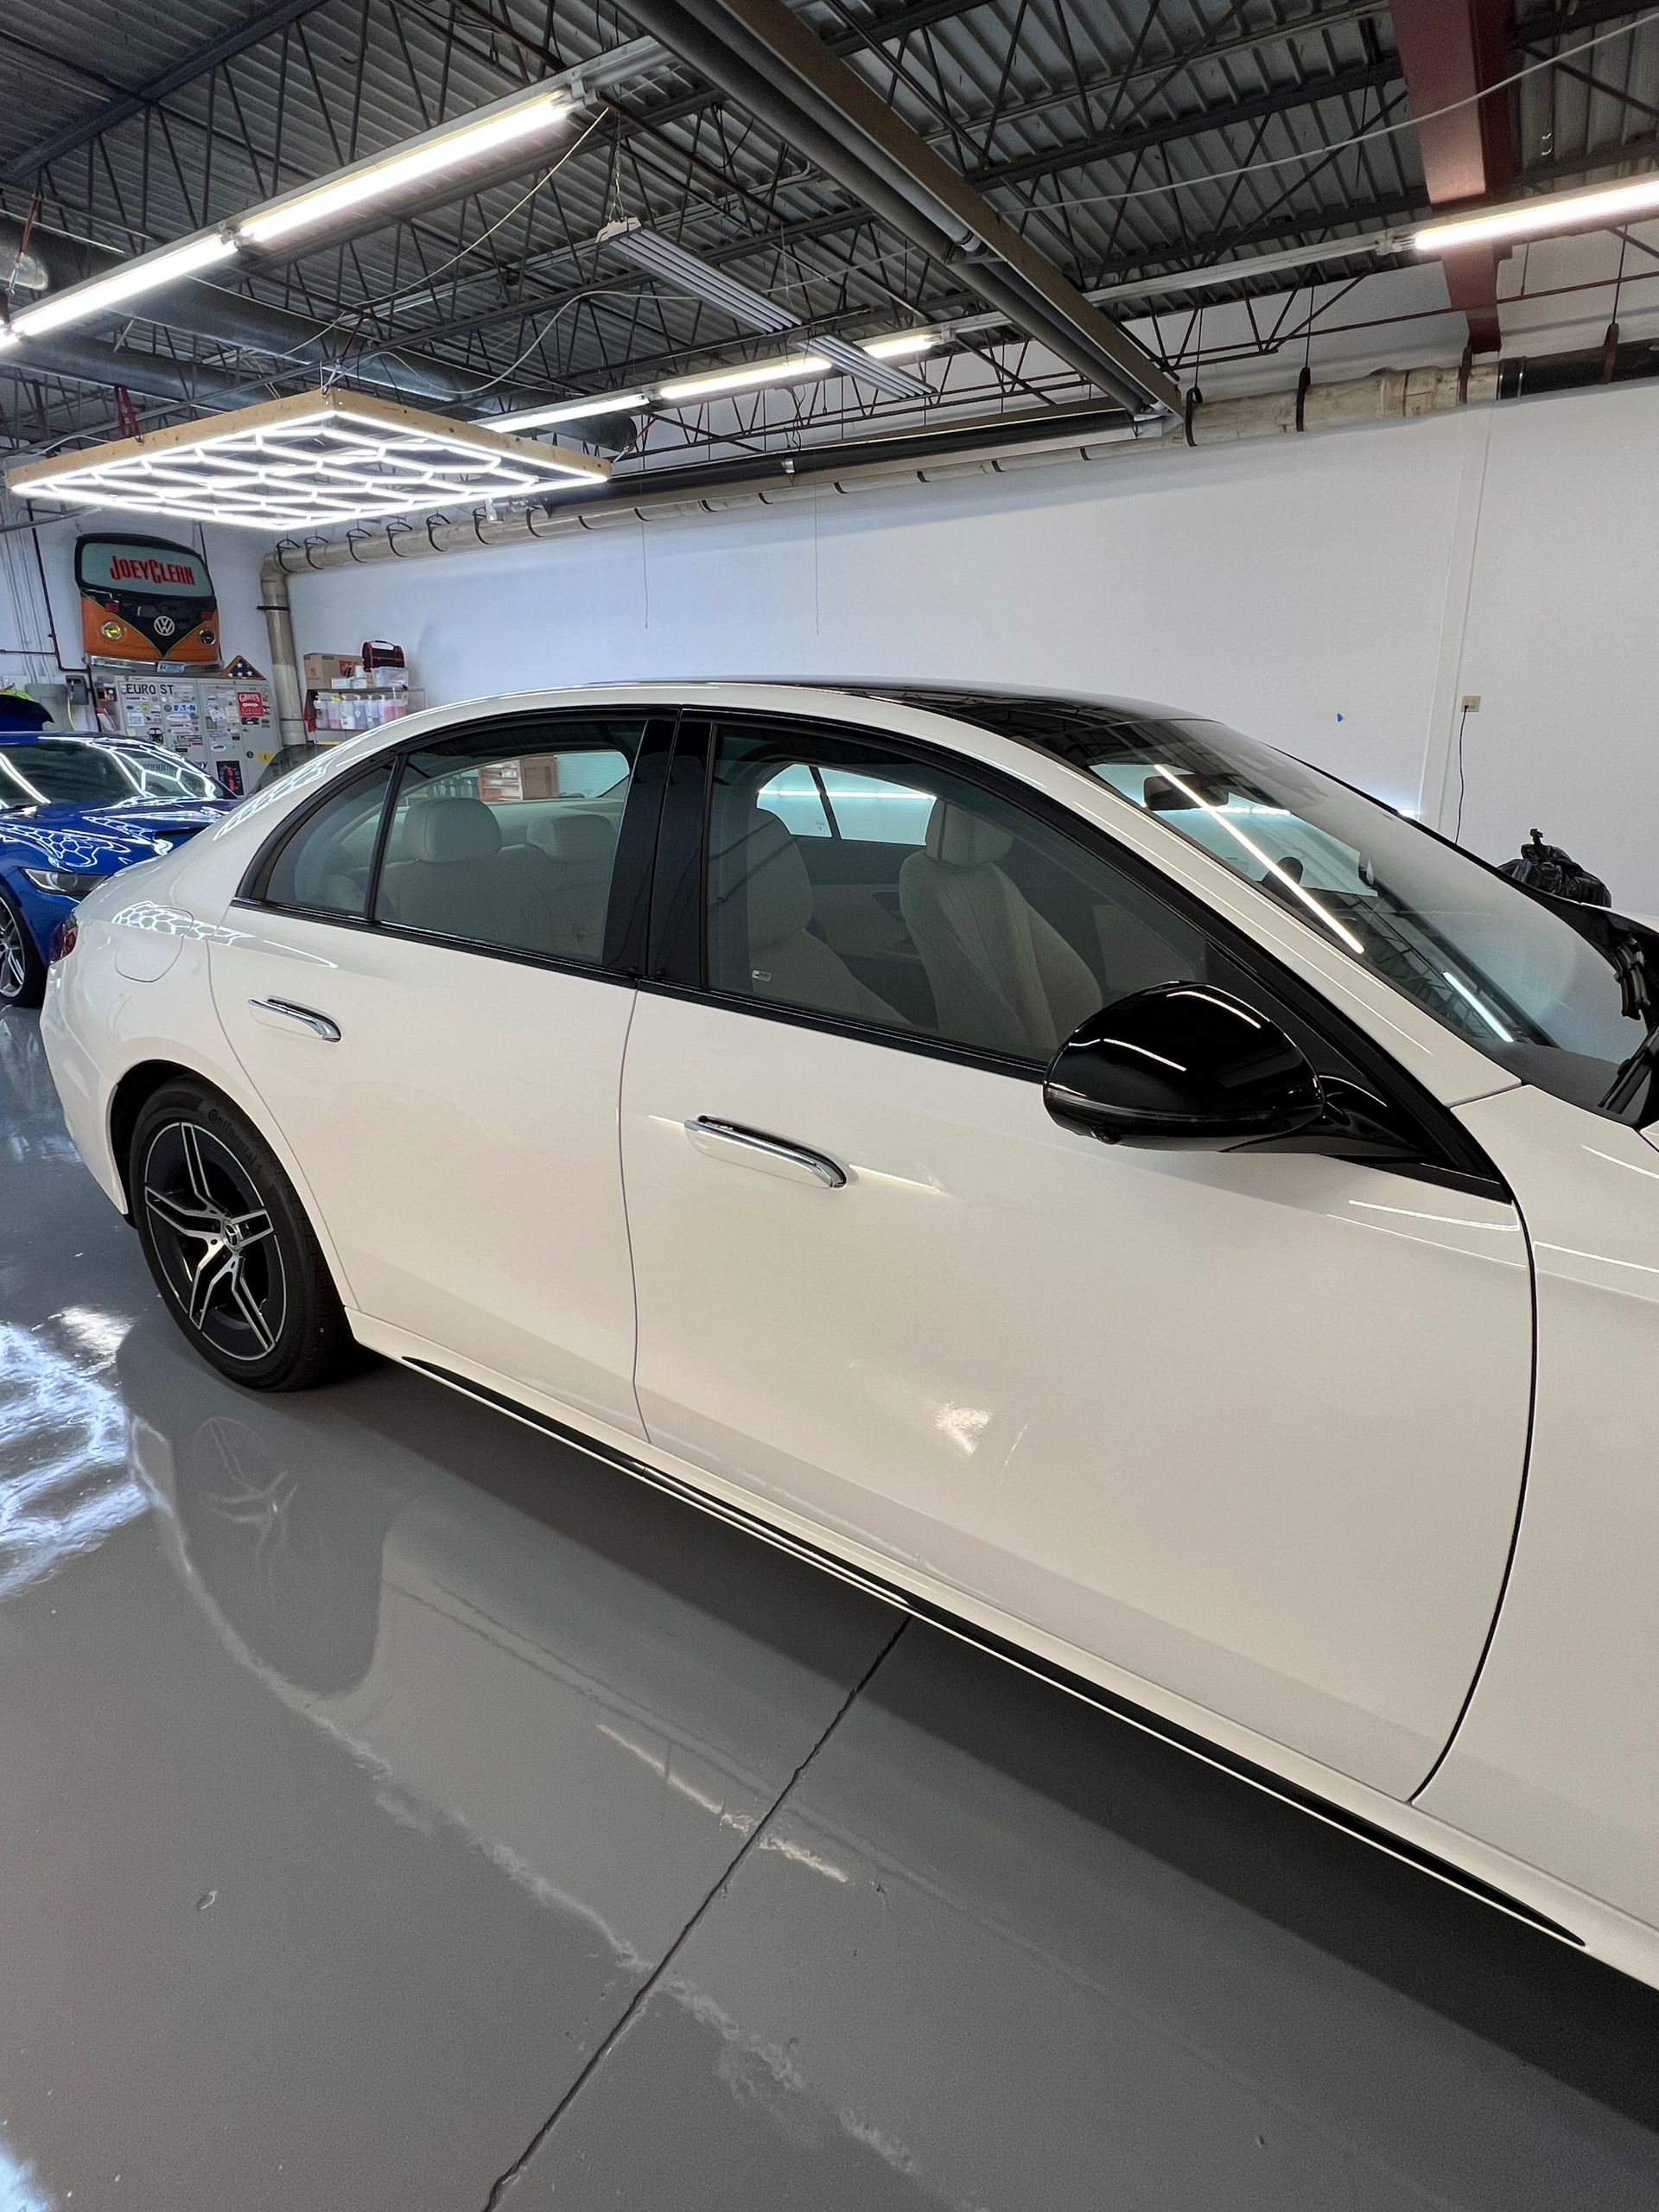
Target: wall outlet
<point x="1471" y="703"/>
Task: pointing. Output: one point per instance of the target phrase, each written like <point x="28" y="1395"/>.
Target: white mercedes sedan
<point x="1104" y="1186"/>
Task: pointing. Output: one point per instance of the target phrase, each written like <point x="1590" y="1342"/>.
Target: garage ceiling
<point x="1089" y="125"/>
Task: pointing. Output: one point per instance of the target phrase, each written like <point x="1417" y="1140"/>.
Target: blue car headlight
<point x="62" y="880"/>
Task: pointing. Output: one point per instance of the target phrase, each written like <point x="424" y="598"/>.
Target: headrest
<point x="959" y="839"/>
<point x="578" y="836"/>
<point x="768" y="862"/>
<point x="453" y="829"/>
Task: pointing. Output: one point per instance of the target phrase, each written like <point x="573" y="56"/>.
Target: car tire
<point x="23" y="971"/>
<point x="227" y="1241"/>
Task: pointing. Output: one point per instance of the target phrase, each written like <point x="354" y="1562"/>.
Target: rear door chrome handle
<point x="307" y="1016"/>
<point x="771" y="1155"/>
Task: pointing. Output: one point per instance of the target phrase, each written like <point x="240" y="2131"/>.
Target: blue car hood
<point x="99" y="840"/>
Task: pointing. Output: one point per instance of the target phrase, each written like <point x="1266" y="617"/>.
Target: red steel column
<point x="1451" y="50"/>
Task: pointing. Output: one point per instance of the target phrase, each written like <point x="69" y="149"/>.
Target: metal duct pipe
<point x="1002" y="445"/>
<point x="229" y="318"/>
<point x="90" y="360"/>
<point x="284" y="661"/>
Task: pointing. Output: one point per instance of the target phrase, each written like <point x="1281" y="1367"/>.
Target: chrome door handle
<point x="307" y="1016"/>
<point x="771" y="1155"/>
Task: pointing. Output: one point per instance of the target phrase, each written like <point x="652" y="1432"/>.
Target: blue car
<point x="74" y="810"/>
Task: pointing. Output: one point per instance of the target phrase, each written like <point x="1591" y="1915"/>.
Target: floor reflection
<point x="594" y="1730"/>
<point x="994" y="1953"/>
<point x="63" y="1484"/>
<point x="382" y="1779"/>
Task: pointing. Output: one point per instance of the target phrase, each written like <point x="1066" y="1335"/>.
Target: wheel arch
<point x="128" y="1100"/>
<point x="134" y="1087"/>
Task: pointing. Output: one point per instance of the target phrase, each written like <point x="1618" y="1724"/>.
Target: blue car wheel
<point x="23" y="971"/>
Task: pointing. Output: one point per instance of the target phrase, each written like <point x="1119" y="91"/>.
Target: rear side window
<point x="325" y="865"/>
<point x="507" y="838"/>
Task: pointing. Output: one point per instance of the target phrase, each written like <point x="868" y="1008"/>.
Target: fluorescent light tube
<point x="798" y="368"/>
<point x="1550" y="211"/>
<point x="900" y="345"/>
<point x="568" y="410"/>
<point x="427" y="157"/>
<point x="148" y="273"/>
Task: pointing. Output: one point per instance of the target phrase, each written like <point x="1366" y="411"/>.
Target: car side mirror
<point x="1183" y="1066"/>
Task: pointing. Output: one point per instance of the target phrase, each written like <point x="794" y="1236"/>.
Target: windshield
<point x="60" y="773"/>
<point x="1561" y="995"/>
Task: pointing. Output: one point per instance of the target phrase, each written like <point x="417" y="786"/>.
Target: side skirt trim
<point x="1119" y="1709"/>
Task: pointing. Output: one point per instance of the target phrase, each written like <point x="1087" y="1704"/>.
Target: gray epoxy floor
<point x="395" y="1809"/>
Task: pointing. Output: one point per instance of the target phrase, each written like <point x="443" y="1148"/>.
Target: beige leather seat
<point x="453" y="879"/>
<point x="1003" y="977"/>
<point x="576" y="854"/>
<point x="760" y="900"/>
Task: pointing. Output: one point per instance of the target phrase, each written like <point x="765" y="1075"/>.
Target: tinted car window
<point x="59" y="773"/>
<point x="1565" y="996"/>
<point x="508" y="838"/>
<point x="325" y="865"/>
<point x="925" y="903"/>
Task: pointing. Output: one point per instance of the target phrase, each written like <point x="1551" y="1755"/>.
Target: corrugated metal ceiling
<point x="1094" y="123"/>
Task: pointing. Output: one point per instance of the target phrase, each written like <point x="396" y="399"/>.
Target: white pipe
<point x="1389" y="395"/>
<point x="285" y="662"/>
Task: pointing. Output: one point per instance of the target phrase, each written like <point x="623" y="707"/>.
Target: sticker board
<point x="224" y="727"/>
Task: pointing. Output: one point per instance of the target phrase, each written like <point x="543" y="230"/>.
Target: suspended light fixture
<point x="318" y="459"/>
<point x="147" y="272"/>
<point x="794" y="368"/>
<point x="571" y="410"/>
<point x="452" y="145"/>
<point x="670" y="263"/>
<point x="1602" y="205"/>
<point x="901" y="345"/>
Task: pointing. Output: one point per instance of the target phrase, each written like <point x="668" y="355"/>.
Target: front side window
<point x="508" y="838"/>
<point x="916" y="900"/>
<point x="1564" y="998"/>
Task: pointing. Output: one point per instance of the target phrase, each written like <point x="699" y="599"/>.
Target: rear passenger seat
<point x="450" y="873"/>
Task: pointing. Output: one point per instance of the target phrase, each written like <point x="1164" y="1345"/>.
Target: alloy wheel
<point x="14" y="970"/>
<point x="216" y="1241"/>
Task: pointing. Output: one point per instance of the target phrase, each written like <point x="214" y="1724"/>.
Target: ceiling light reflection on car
<point x="1280" y="874"/>
<point x="1490" y="1020"/>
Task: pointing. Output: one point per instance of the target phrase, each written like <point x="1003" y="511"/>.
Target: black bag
<point x="1547" y="869"/>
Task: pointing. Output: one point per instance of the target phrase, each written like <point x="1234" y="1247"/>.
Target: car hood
<point x="151" y="817"/>
<point x="83" y="840"/>
<point x="127" y="828"/>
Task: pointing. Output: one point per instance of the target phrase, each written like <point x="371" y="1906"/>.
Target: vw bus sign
<point x="146" y="599"/>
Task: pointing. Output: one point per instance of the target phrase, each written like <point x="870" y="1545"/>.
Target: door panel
<point x="460" y="1140"/>
<point x="451" y="1096"/>
<point x="1250" y="1427"/>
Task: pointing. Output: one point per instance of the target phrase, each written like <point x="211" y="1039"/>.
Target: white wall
<point x="1251" y="583"/>
<point x="1336" y="595"/>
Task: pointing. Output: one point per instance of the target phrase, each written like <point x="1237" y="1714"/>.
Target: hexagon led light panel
<point x="319" y="459"/>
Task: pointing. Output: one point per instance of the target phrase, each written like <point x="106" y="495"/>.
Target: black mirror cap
<point x="1182" y="1067"/>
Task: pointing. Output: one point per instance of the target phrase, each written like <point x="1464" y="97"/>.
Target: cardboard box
<point x="324" y="668"/>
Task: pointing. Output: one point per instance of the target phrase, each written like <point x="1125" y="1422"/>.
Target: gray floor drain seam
<point x="506" y="2181"/>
